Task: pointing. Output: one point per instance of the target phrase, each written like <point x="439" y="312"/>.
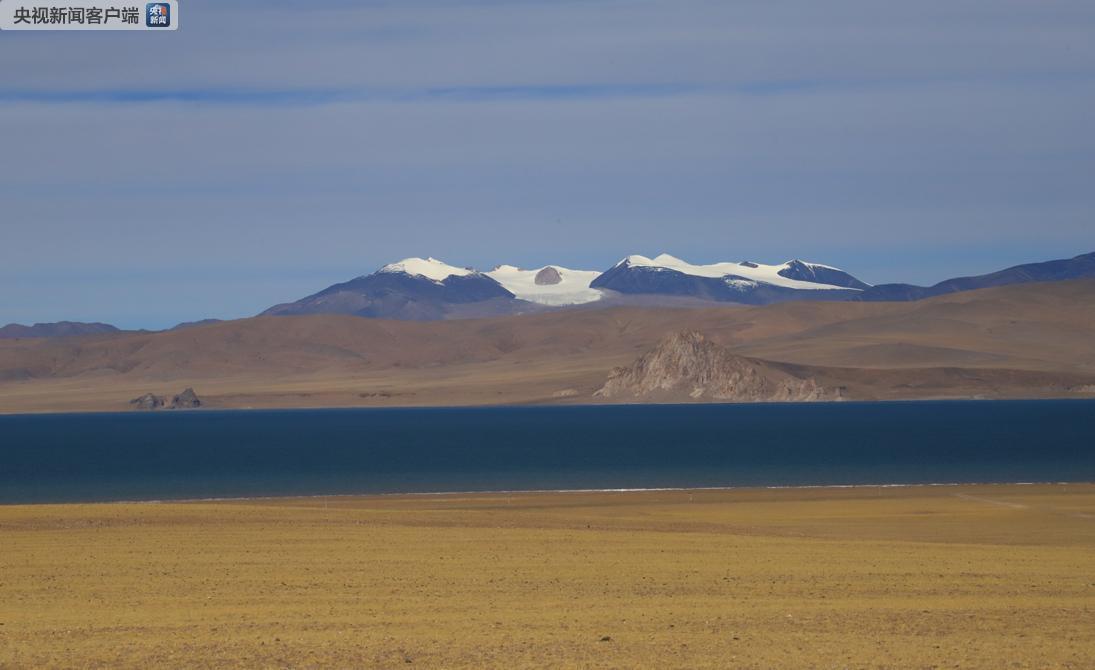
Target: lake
<point x="206" y="454"/>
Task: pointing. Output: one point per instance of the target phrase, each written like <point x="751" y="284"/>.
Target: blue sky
<point x="268" y="149"/>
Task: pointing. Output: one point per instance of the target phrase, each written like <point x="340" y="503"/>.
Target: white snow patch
<point x="815" y="265"/>
<point x="740" y="284"/>
<point x="430" y="268"/>
<point x="767" y="274"/>
<point x="573" y="289"/>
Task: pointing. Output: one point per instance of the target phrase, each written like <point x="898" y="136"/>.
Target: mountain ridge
<point x="1063" y="269"/>
<point x="428" y="289"/>
<point x="417" y="289"/>
<point x="1023" y="341"/>
<point x="56" y="329"/>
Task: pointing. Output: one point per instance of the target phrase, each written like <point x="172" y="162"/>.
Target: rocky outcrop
<point x="186" y="400"/>
<point x="687" y="365"/>
<point x="147" y="402"/>
<point x="549" y="276"/>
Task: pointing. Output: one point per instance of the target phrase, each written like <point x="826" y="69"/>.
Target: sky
<point x="268" y="149"/>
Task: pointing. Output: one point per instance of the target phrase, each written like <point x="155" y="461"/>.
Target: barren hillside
<point x="1030" y="340"/>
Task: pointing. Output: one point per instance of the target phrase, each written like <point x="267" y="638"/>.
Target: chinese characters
<point x="55" y="16"/>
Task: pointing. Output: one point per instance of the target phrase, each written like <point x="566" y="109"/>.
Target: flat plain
<point x="988" y="576"/>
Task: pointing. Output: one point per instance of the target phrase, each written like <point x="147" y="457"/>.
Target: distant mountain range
<point x="1021" y="341"/>
<point x="427" y="289"/>
<point x="58" y="329"/>
<point x="1060" y="270"/>
<point x="743" y="282"/>
<point x="415" y="289"/>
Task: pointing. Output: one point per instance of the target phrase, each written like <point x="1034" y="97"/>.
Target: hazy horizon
<point x="267" y="150"/>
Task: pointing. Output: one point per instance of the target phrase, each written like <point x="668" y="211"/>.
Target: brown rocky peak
<point x="147" y="402"/>
<point x="186" y="400"/>
<point x="687" y="340"/>
<point x="688" y="365"/>
<point x="549" y="276"/>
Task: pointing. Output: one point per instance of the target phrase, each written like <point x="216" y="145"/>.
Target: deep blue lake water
<point x="170" y="455"/>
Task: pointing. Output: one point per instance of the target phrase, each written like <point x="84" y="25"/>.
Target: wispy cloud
<point x="310" y="97"/>
<point x="281" y="135"/>
<point x="486" y="94"/>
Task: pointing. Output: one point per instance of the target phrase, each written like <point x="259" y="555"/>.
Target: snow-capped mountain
<point x="820" y="274"/>
<point x="430" y="268"/>
<point x="742" y="282"/>
<point x="550" y="285"/>
<point x="426" y="288"/>
<point x="413" y="288"/>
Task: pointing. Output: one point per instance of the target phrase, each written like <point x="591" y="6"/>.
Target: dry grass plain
<point x="921" y="577"/>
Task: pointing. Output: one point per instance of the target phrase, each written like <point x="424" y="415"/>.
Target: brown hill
<point x="688" y="366"/>
<point x="58" y="329"/>
<point x="1016" y="341"/>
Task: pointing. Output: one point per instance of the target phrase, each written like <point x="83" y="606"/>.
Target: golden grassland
<point x="919" y="577"/>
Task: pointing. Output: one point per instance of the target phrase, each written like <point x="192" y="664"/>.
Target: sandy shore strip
<point x="913" y="576"/>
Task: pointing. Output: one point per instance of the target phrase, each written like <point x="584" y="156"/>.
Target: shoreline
<point x="545" y="405"/>
<point x="545" y="492"/>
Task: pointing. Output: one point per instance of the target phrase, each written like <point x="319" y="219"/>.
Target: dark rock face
<point x="1059" y="270"/>
<point x="549" y="276"/>
<point x="147" y="402"/>
<point x="186" y="400"/>
<point x="397" y="295"/>
<point x="688" y="366"/>
<point x="629" y="279"/>
<point x="819" y="274"/>
<point x="58" y="329"/>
